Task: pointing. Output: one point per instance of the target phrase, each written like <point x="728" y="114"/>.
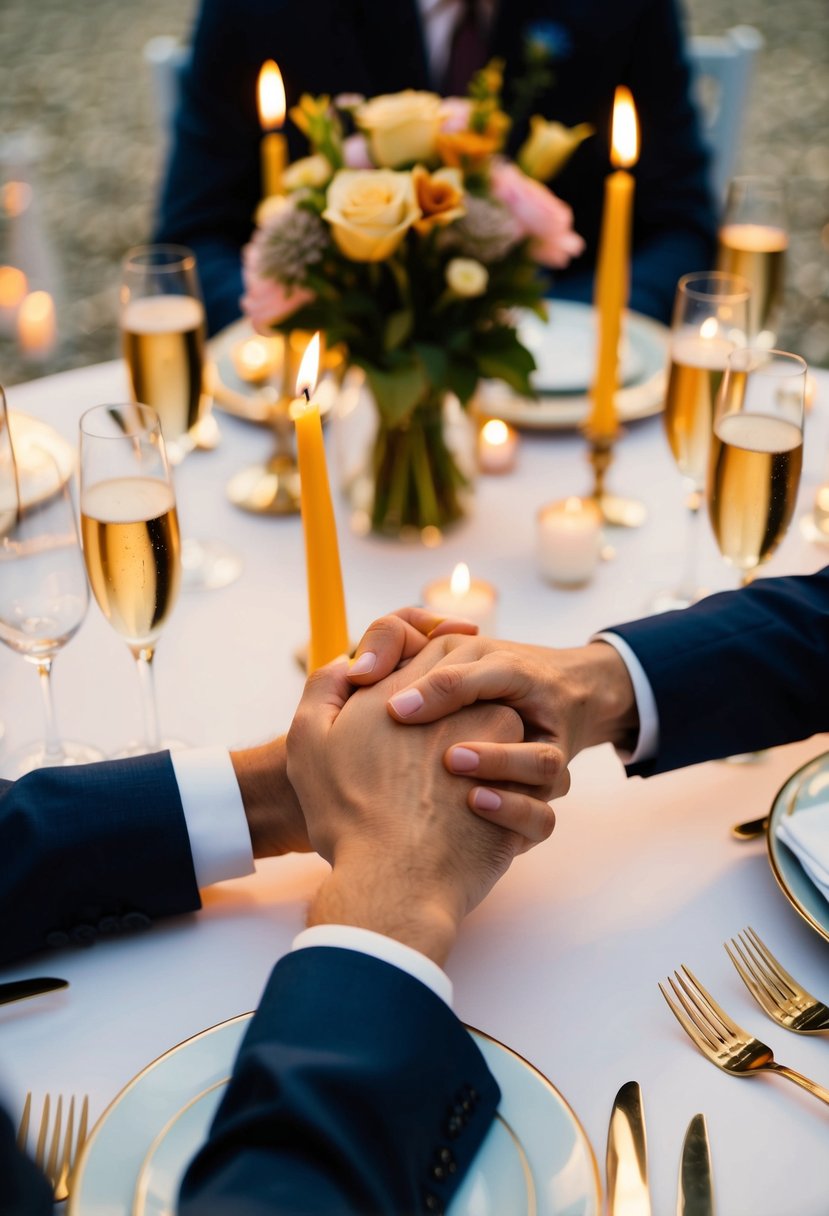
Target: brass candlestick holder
<point x="616" y="511"/>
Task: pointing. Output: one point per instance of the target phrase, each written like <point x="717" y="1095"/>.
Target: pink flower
<point x="539" y="213"/>
<point x="267" y="302"/>
<point x="355" y="152"/>
<point x="455" y="112"/>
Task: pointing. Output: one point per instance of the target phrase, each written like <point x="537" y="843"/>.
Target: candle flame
<point x="709" y="328"/>
<point x="271" y="96"/>
<point x="460" y="581"/>
<point x="306" y="380"/>
<point x="495" y="432"/>
<point x="572" y="505"/>
<point x="624" y="150"/>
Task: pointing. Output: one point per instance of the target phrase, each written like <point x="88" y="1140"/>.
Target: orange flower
<point x="439" y="196"/>
<point x="467" y="149"/>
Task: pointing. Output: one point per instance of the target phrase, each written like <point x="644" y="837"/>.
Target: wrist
<point x="601" y="685"/>
<point x="273" y="813"/>
<point x="359" y="893"/>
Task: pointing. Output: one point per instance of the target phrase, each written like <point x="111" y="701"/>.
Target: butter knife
<point x="627" y="1155"/>
<point x="21" y="990"/>
<point x="696" y="1193"/>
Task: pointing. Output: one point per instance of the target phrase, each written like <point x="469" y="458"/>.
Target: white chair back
<point x="722" y="68"/>
<point x="166" y="58"/>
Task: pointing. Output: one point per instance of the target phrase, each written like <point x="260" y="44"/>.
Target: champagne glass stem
<point x="53" y="748"/>
<point x="688" y="587"/>
<point x="144" y="660"/>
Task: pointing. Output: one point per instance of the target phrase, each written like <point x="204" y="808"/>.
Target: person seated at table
<point x="580" y="52"/>
<point x="356" y="1089"/>
<point x="738" y="671"/>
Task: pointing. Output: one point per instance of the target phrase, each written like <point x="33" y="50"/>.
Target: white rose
<point x="309" y="172"/>
<point x="466" y="277"/>
<point x="402" y="128"/>
<point x="370" y="211"/>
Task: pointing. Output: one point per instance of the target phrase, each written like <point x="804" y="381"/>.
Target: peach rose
<point x="439" y="196"/>
<point x="370" y="211"/>
<point x="539" y="214"/>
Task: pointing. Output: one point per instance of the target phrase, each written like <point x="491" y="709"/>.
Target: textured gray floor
<point x="74" y="73"/>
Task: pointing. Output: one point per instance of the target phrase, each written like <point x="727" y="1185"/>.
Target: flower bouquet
<point x="411" y="243"/>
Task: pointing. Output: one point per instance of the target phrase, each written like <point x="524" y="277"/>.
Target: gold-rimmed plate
<point x="807" y="786"/>
<point x="45" y="460"/>
<point x="539" y="1143"/>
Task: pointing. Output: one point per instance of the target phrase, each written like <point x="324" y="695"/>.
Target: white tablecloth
<point x="562" y="961"/>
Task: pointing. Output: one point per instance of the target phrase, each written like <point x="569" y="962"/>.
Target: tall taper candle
<point x="274" y="152"/>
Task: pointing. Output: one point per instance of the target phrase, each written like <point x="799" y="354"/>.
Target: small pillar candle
<point x="36" y="325"/>
<point x="473" y="599"/>
<point x="497" y="447"/>
<point x="569" y="540"/>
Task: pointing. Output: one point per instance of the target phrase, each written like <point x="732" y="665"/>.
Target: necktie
<point x="468" y="52"/>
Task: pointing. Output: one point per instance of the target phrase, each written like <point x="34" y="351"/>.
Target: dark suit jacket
<point x="376" y="46"/>
<point x="356" y="1090"/>
<point x="738" y="671"/>
<point x="95" y="850"/>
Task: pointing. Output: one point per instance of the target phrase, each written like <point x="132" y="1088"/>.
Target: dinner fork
<point x="55" y="1163"/>
<point x="774" y="990"/>
<point x="721" y="1040"/>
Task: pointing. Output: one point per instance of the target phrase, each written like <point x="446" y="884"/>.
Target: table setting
<point x="560" y="975"/>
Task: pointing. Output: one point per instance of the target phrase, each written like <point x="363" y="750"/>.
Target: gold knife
<point x="627" y="1155"/>
<point x="696" y="1193"/>
<point x="21" y="990"/>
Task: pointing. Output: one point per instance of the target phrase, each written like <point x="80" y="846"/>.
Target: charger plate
<point x="139" y="1147"/>
<point x="803" y="789"/>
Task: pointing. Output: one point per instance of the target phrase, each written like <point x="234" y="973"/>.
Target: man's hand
<point x="272" y="809"/>
<point x="408" y="860"/>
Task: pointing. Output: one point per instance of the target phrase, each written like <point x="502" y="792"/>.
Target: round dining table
<point x="562" y="961"/>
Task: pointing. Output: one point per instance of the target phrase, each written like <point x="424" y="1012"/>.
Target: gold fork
<point x="774" y="990"/>
<point x="721" y="1040"/>
<point x="57" y="1164"/>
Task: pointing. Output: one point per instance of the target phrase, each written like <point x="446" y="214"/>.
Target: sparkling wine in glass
<point x="131" y="542"/>
<point x="710" y="321"/>
<point x="753" y="240"/>
<point x="756" y="455"/>
<point x="43" y="594"/>
<point x="163" y="338"/>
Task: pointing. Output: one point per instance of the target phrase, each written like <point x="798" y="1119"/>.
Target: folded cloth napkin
<point x="807" y="835"/>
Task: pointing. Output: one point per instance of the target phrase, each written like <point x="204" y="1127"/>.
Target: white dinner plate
<point x="563" y="348"/>
<point x="538" y="1150"/>
<point x="45" y="461"/>
<point x="803" y="789"/>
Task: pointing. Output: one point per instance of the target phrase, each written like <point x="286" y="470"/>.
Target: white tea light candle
<point x="569" y="540"/>
<point x="473" y="599"/>
<point x="497" y="447"/>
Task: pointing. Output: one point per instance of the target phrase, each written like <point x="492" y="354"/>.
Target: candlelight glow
<point x="270" y="93"/>
<point x="306" y="381"/>
<point x="495" y="432"/>
<point x="36" y="323"/>
<point x="709" y="327"/>
<point x="624" y="150"/>
<point x="572" y="505"/>
<point x="16" y="197"/>
<point x="13" y="286"/>
<point x="460" y="581"/>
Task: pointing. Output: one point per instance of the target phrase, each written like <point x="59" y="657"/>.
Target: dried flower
<point x="487" y="232"/>
<point x="294" y="240"/>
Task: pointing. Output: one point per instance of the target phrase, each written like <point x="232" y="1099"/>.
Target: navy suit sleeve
<point x="738" y="671"/>
<point x="356" y="1091"/>
<point x="93" y="850"/>
<point x="23" y="1189"/>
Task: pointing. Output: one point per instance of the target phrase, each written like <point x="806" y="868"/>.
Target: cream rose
<point x="370" y="211"/>
<point x="309" y="171"/>
<point x="402" y="127"/>
<point x="466" y="277"/>
<point x="549" y="146"/>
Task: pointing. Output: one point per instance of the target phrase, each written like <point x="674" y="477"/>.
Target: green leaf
<point x="502" y="357"/>
<point x="462" y="379"/>
<point x="435" y="361"/>
<point x="398" y="328"/>
<point x="396" y="391"/>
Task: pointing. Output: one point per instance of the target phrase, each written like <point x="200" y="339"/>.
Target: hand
<point x="407" y="859"/>
<point x="272" y="809"/>
<point x="397" y="637"/>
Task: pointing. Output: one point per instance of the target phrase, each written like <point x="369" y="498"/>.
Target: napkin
<point x="807" y="835"/>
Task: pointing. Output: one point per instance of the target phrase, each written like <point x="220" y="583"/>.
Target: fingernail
<point x="486" y="800"/>
<point x="406" y="702"/>
<point x="362" y="666"/>
<point x="463" y="760"/>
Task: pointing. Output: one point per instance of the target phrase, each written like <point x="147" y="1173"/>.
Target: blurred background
<point x="77" y="108"/>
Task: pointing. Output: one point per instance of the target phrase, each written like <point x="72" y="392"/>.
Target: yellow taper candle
<point x="271" y="99"/>
<point x="326" y="601"/>
<point x="613" y="267"/>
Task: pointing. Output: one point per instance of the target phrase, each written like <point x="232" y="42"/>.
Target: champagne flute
<point x="163" y="336"/>
<point x="753" y="239"/>
<point x="131" y="542"/>
<point x="756" y="455"/>
<point x="43" y="594"/>
<point x="710" y="320"/>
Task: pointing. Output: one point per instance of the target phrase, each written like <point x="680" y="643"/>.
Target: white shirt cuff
<point x="647" y="745"/>
<point x="366" y="941"/>
<point x="214" y="814"/>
